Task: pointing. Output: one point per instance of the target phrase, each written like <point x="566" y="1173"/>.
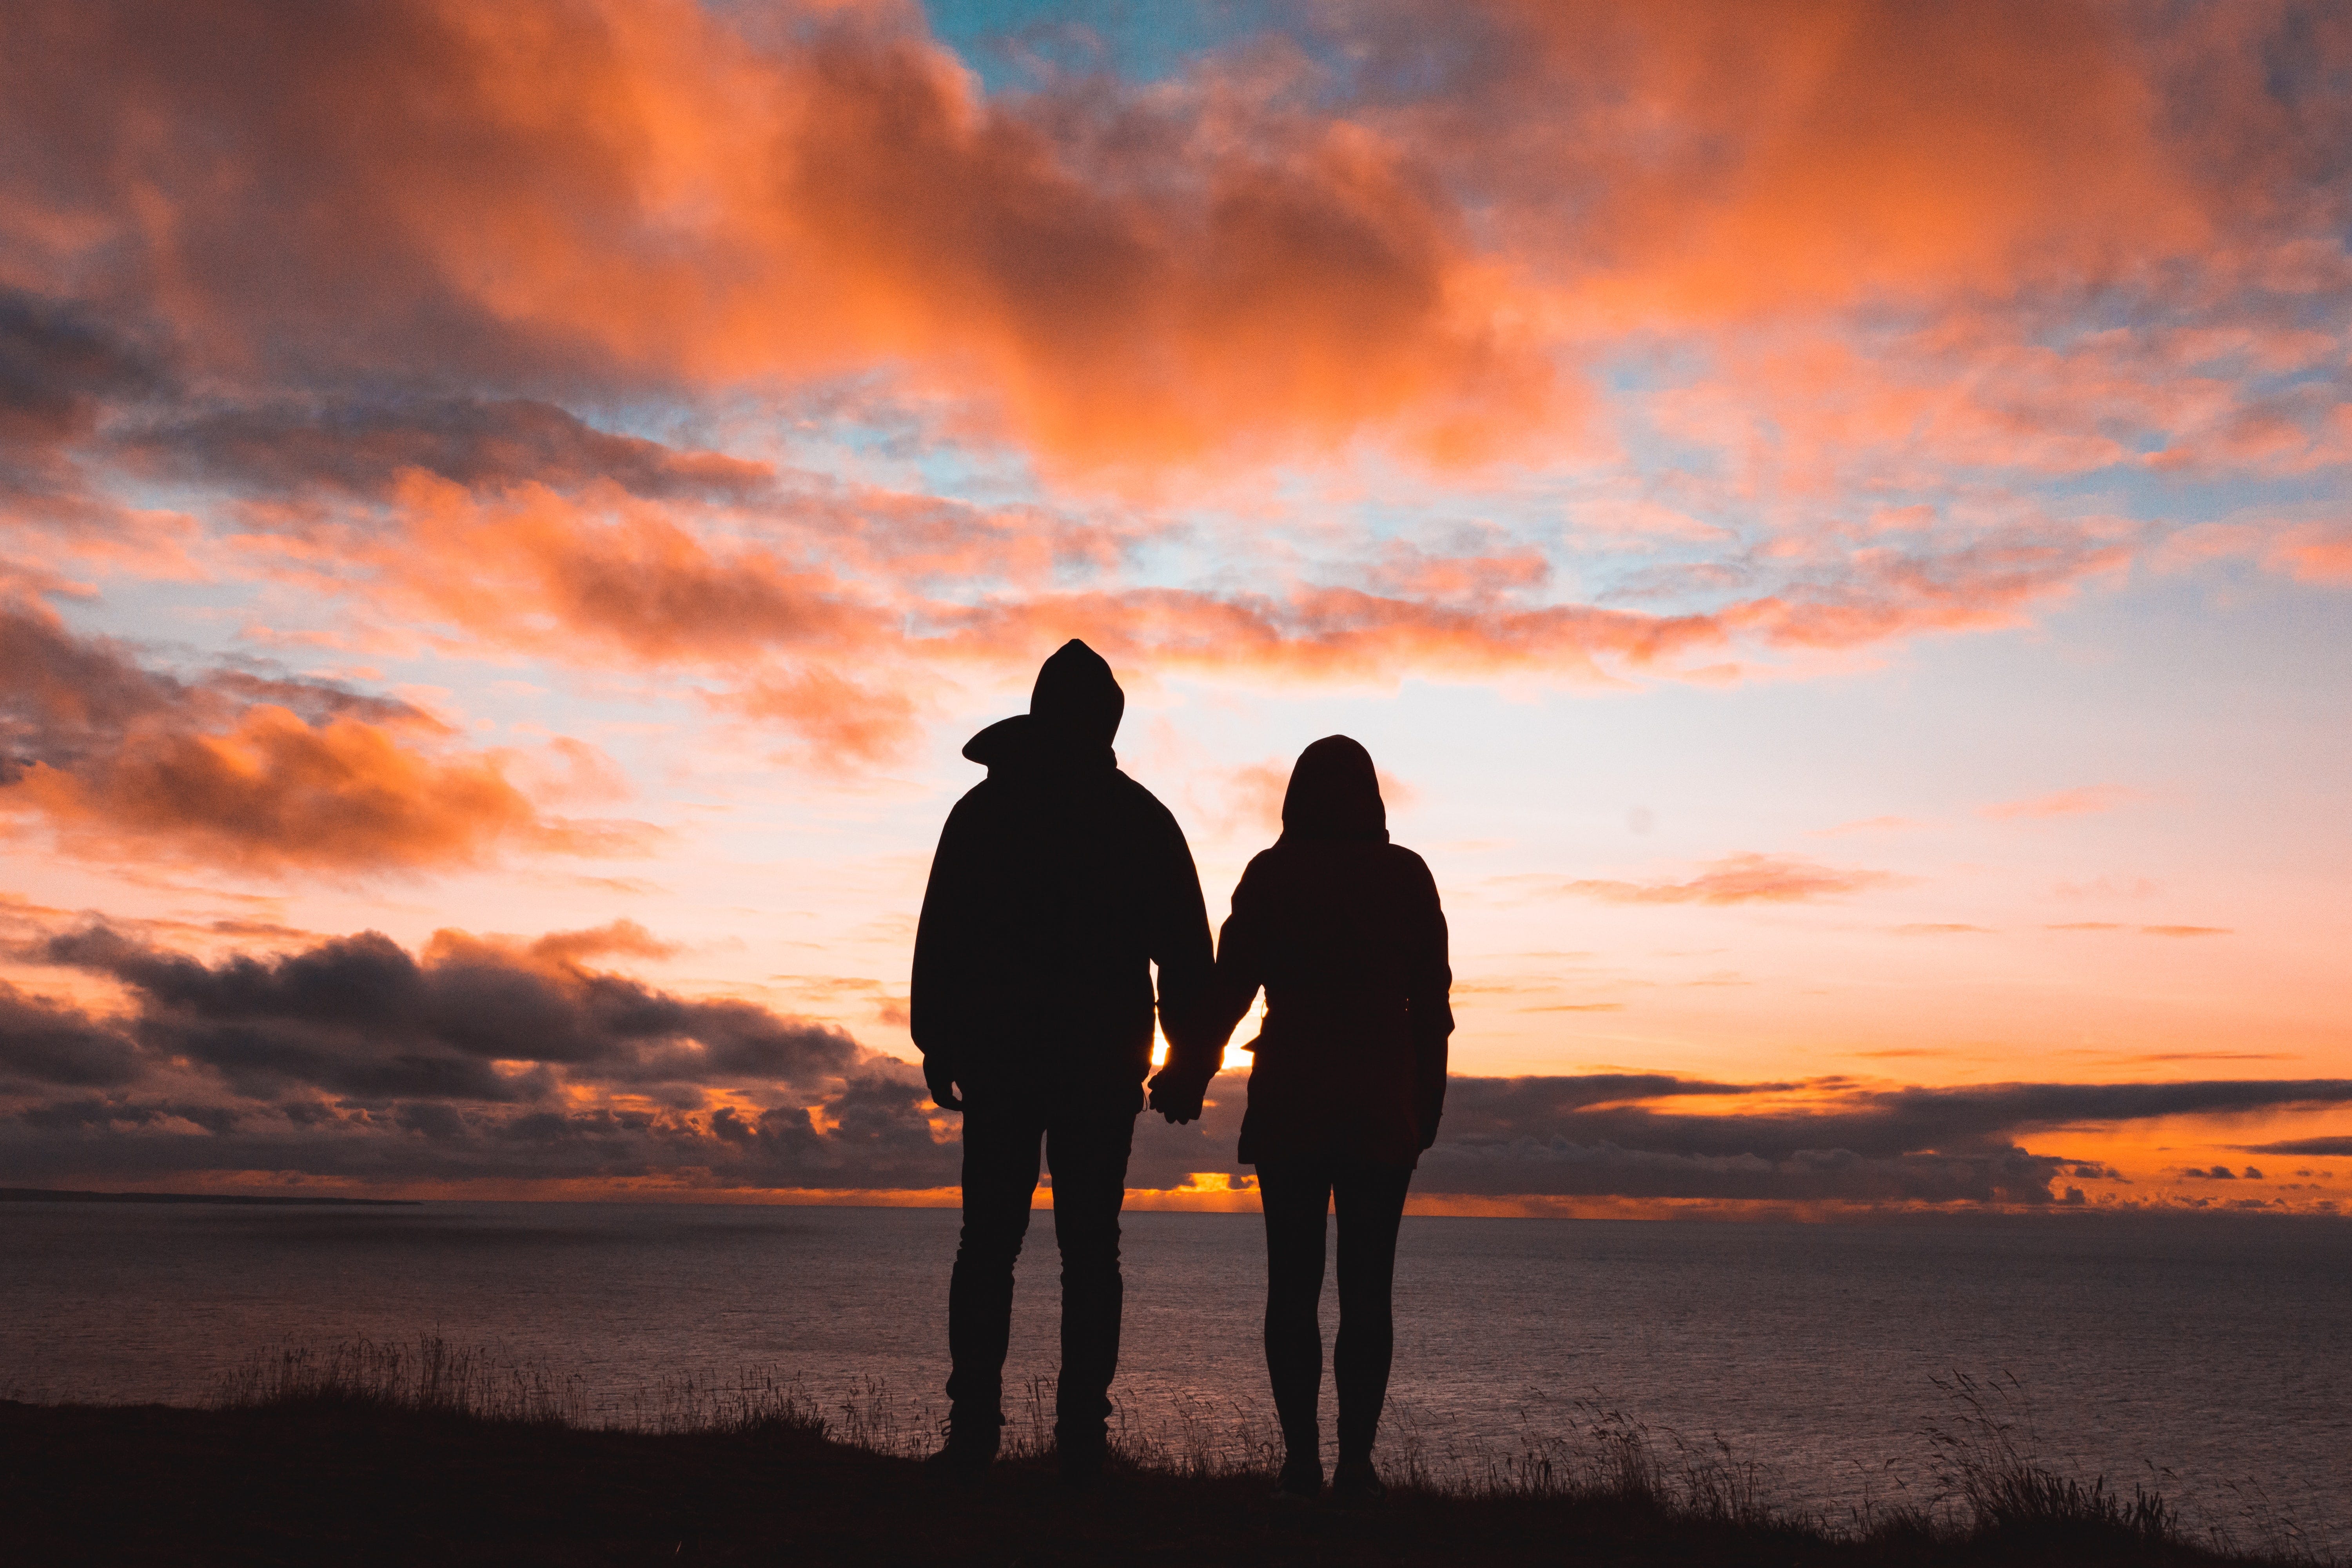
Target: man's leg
<point x="1086" y="1149"/>
<point x="1295" y="1195"/>
<point x="1000" y="1176"/>
<point x="1370" y="1201"/>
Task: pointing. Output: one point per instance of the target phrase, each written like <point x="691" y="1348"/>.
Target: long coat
<point x="1348" y="939"/>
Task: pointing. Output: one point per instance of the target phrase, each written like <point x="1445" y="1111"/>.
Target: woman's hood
<point x="1335" y="793"/>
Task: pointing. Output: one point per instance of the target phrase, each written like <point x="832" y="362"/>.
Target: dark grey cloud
<point x="351" y="1056"/>
<point x="59" y="369"/>
<point x="1578" y="1136"/>
<point x="1567" y="1136"/>
<point x="1866" y="1122"/>
<point x="1563" y="1167"/>
<point x="57" y="360"/>
<point x="1905" y="1144"/>
<point x="73" y="702"/>
<point x="361" y="1016"/>
<point x="2302" y="1146"/>
<point x="48" y="1043"/>
<point x="102" y="1140"/>
<point x="95" y="1115"/>
<point x="74" y="391"/>
<point x="360" y="447"/>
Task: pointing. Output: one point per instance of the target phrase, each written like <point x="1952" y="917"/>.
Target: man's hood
<point x="1074" y="713"/>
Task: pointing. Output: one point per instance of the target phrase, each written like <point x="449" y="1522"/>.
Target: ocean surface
<point x="2213" y="1359"/>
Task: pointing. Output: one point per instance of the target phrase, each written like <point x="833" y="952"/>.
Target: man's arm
<point x="939" y="999"/>
<point x="1181" y="950"/>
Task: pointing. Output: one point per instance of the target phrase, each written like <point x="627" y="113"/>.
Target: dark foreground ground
<point x="338" y="1483"/>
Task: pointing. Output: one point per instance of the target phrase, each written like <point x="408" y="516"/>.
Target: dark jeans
<point x="1296" y="1194"/>
<point x="1086" y="1140"/>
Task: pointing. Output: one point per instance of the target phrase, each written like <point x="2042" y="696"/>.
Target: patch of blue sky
<point x="1012" y="45"/>
<point x="2166" y="499"/>
<point x="983" y="474"/>
<point x="181" y="625"/>
<point x="685" y="425"/>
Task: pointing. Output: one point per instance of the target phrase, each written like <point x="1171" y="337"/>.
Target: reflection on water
<point x="2215" y="1352"/>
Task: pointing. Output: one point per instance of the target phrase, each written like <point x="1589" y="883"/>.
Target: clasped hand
<point x="1177" y="1096"/>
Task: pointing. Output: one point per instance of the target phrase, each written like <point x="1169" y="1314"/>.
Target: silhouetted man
<point x="1059" y="883"/>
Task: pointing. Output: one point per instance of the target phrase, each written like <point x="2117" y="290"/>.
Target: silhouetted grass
<point x="1580" y="1465"/>
<point x="432" y="1377"/>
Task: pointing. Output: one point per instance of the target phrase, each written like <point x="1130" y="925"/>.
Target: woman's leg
<point x="1295" y="1196"/>
<point x="1370" y="1200"/>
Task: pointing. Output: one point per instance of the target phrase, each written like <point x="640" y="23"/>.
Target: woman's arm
<point x="1429" y="977"/>
<point x="1241" y="955"/>
<point x="1177" y="1089"/>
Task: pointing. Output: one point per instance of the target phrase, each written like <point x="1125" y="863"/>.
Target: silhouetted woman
<point x="1343" y="930"/>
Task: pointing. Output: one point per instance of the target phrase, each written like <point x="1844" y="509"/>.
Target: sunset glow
<point x="1834" y="520"/>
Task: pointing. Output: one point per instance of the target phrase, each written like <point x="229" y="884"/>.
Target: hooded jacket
<point x="1344" y="932"/>
<point x="1059" y="883"/>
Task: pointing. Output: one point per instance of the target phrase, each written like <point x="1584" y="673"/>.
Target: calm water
<point x="2210" y="1352"/>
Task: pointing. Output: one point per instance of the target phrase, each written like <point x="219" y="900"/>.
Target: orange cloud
<point x="276" y="793"/>
<point x="648" y="184"/>
<point x="352" y="266"/>
<point x="1696" y="155"/>
<point x="1243" y="263"/>
<point x="112" y="756"/>
<point x="627" y="937"/>
<point x="830" y="614"/>
<point x="1743" y="879"/>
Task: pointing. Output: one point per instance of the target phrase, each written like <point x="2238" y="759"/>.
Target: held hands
<point x="1177" y="1096"/>
<point x="940" y="1077"/>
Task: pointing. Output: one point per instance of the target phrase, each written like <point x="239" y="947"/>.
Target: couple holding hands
<point x="1058" y="885"/>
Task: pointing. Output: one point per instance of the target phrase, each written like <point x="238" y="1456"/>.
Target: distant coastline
<point x="64" y="1196"/>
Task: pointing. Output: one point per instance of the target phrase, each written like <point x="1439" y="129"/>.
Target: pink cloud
<point x="2318" y="554"/>
<point x="2084" y="801"/>
<point x="1744" y="880"/>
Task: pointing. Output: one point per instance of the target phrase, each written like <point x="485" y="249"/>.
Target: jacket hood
<point x="1076" y="699"/>
<point x="1074" y="713"/>
<point x="1335" y="793"/>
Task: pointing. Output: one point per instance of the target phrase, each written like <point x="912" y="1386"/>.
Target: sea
<point x="1836" y="1364"/>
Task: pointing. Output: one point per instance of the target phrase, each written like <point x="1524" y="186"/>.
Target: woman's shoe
<point x="1356" y="1481"/>
<point x="1301" y="1481"/>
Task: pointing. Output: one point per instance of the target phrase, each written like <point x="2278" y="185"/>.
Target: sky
<point x="1832" y="519"/>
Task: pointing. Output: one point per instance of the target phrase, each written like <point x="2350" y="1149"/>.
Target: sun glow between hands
<point x="1238" y="1054"/>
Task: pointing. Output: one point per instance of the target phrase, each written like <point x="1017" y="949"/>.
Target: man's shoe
<point x="964" y="1459"/>
<point x="1081" y="1462"/>
<point x="1301" y="1481"/>
<point x="1356" y="1481"/>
